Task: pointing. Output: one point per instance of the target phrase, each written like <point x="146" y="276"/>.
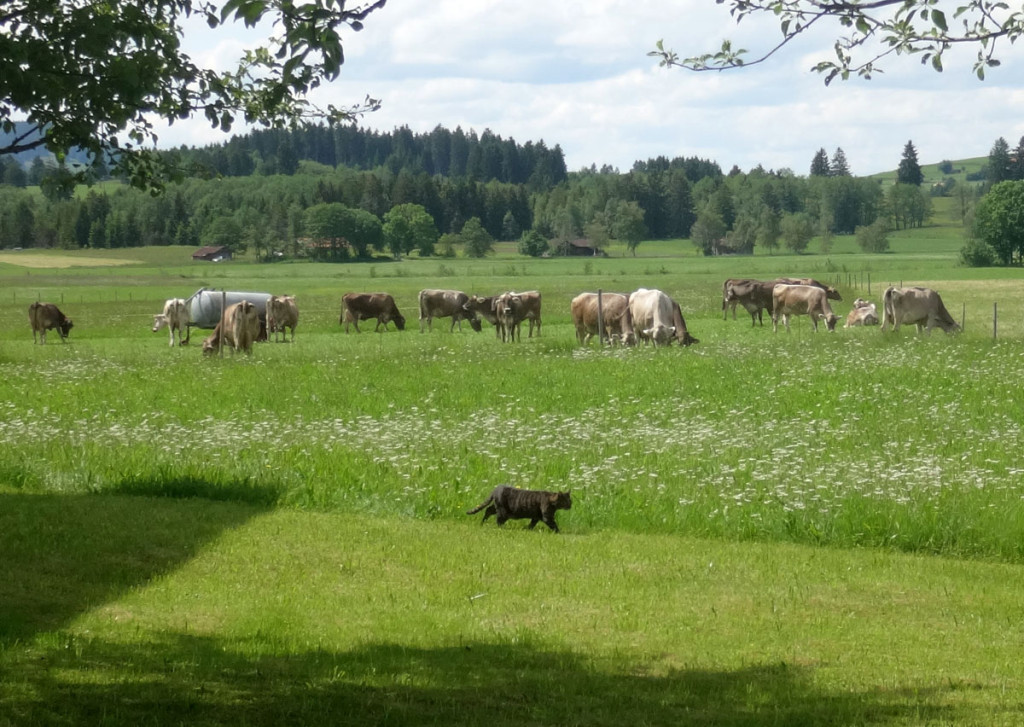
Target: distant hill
<point x="932" y="173"/>
<point x="25" y="158"/>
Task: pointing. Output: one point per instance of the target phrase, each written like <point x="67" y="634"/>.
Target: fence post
<point x="995" y="319"/>
<point x="223" y="305"/>
<point x="600" y="320"/>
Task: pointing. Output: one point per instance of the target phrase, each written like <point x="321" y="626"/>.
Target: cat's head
<point x="561" y="500"/>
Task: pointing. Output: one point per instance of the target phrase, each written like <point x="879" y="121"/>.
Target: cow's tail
<point x="481" y="506"/>
<point x="888" y="312"/>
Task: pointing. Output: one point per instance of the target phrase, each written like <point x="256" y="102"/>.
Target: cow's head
<point x="832" y="294"/>
<point x="661" y="334"/>
<point x="628" y="338"/>
<point x="65" y="327"/>
<point x="159" y="321"/>
<point x="830" y="320"/>
<point x="474" y="323"/>
<point x="399" y="320"/>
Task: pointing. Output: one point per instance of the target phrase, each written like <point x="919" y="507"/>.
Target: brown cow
<point x="45" y="316"/>
<point x="357" y="307"/>
<point x="241" y="326"/>
<point x="731" y="301"/>
<point x="754" y="295"/>
<point x="799" y="300"/>
<point x="511" y="309"/>
<point x="617" y="320"/>
<point x="921" y="306"/>
<point x="444" y="304"/>
<point x="484" y="308"/>
<point x="282" y="313"/>
<point x="683" y="336"/>
<point x="830" y="292"/>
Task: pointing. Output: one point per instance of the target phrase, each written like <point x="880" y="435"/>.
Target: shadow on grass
<point x="64" y="554"/>
<point x="197" y="680"/>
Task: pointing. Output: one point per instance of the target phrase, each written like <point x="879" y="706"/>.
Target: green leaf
<point x="939" y="18"/>
<point x="937" y="62"/>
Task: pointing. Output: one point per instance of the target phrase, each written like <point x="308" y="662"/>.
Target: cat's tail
<point x="481" y="506"/>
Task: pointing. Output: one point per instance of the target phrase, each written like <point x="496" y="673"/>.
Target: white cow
<point x="653" y="316"/>
<point x="176" y="317"/>
<point x="921" y="306"/>
<point x="801" y="300"/>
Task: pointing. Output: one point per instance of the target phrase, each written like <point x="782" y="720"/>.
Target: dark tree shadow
<point x="198" y="681"/>
<point x="62" y="555"/>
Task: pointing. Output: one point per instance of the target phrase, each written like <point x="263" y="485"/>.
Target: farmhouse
<point x="212" y="253"/>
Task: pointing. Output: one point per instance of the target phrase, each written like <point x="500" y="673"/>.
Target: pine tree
<point x="839" y="166"/>
<point x="909" y="171"/>
<point x="999" y="162"/>
<point x="819" y="164"/>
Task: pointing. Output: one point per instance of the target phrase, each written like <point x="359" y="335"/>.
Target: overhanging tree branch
<point x="899" y="27"/>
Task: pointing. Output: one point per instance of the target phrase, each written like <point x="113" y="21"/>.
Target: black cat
<point x="511" y="503"/>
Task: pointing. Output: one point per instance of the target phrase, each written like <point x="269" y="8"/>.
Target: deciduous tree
<point x="999" y="221"/>
<point x="94" y="75"/>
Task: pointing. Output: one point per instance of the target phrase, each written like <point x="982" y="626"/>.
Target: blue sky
<point x="576" y="73"/>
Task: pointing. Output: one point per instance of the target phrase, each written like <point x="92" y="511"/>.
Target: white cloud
<point x="576" y="73"/>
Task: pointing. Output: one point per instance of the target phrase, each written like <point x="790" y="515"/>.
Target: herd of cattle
<point x="648" y="316"/>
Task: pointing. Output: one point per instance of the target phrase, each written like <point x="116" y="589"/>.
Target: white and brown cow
<point x="444" y="304"/>
<point x="801" y="300"/>
<point x="46" y="316"/>
<point x="615" y="316"/>
<point x="175" y="317"/>
<point x="357" y="307"/>
<point x="921" y="306"/>
<point x="239" y="328"/>
<point x="282" y="313"/>
<point x="652" y="316"/>
<point x="863" y="314"/>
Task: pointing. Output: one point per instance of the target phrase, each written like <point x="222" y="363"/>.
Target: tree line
<point x="268" y="182"/>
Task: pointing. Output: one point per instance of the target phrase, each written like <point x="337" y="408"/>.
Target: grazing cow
<point x="282" y="313"/>
<point x="511" y="309"/>
<point x="830" y="292"/>
<point x="357" y="307"/>
<point x="176" y="317"/>
<point x="45" y="316"/>
<point x="682" y="335"/>
<point x="615" y="315"/>
<point x="445" y="303"/>
<point x="484" y="308"/>
<point x="754" y="295"/>
<point x="863" y="314"/>
<point x="921" y="306"/>
<point x="801" y="300"/>
<point x="730" y="301"/>
<point x="652" y="314"/>
<point x="241" y="326"/>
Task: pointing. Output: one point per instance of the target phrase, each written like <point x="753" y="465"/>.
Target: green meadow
<point x="767" y="529"/>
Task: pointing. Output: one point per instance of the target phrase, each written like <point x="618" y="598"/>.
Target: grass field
<point x="767" y="528"/>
